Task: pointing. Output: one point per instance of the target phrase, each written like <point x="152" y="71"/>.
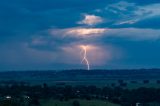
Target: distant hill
<point x="123" y="74"/>
<point x="79" y="76"/>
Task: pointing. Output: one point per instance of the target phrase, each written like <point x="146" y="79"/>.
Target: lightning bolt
<point x="84" y="48"/>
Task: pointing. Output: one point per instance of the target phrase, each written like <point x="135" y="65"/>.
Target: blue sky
<point x="49" y="34"/>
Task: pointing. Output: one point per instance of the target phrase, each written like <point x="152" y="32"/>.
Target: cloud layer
<point x="91" y="20"/>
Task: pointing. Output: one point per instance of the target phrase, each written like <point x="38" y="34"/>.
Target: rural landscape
<point x="79" y="52"/>
<point x="140" y="87"/>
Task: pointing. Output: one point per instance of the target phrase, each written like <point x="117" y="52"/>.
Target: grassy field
<point x="82" y="103"/>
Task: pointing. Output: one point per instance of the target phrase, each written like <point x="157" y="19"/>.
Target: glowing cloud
<point x="91" y="20"/>
<point x="90" y="55"/>
<point x="79" y="32"/>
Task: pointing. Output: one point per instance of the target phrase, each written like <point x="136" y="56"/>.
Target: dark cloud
<point x="153" y="23"/>
<point x="142" y="54"/>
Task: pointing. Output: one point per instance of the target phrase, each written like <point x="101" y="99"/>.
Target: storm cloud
<point x="47" y="34"/>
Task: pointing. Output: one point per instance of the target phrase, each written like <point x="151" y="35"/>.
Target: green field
<point x="82" y="103"/>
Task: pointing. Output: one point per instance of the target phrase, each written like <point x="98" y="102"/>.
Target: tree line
<point x="119" y="95"/>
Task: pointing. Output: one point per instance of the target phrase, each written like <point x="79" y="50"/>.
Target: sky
<point x="51" y="34"/>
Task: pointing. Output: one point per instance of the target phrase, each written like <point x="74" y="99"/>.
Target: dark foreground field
<point x="67" y="95"/>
